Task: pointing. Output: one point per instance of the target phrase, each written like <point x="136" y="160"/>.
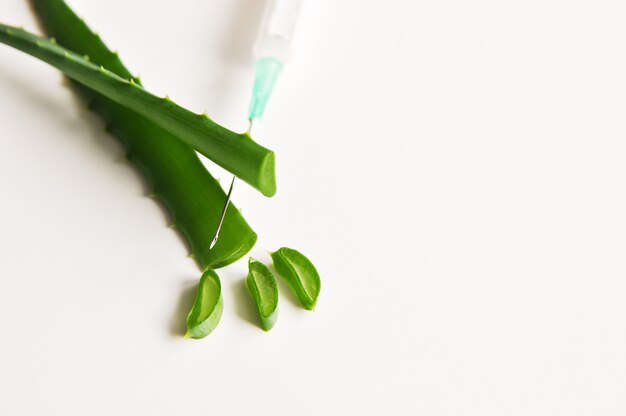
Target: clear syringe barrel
<point x="277" y="30"/>
<point x="272" y="50"/>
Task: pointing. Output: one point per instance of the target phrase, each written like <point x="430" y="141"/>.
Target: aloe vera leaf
<point x="299" y="273"/>
<point x="264" y="291"/>
<point x="206" y="311"/>
<point x="192" y="197"/>
<point x="237" y="153"/>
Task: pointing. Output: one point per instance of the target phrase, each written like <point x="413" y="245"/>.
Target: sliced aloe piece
<point x="299" y="273"/>
<point x="206" y="311"/>
<point x="264" y="291"/>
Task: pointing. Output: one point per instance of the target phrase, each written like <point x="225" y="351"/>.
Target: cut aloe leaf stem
<point x="237" y="153"/>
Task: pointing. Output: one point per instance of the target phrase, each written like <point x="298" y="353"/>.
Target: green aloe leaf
<point x="237" y="153"/>
<point x="299" y="273"/>
<point x="206" y="311"/>
<point x="264" y="291"/>
<point x="193" y="198"/>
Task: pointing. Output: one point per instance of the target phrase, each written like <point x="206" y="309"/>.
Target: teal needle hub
<point x="266" y="72"/>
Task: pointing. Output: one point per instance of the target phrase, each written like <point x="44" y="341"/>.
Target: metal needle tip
<point x="228" y="197"/>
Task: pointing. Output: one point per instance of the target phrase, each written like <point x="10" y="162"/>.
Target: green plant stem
<point x="237" y="153"/>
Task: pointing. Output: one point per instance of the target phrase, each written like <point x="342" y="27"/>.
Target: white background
<point x="455" y="169"/>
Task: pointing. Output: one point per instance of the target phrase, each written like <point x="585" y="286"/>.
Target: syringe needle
<point x="219" y="225"/>
<point x="272" y="51"/>
<point x="228" y="198"/>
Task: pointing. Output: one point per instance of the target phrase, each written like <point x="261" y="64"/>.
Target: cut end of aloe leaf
<point x="267" y="184"/>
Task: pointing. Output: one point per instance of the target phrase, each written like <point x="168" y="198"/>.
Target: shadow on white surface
<point x="178" y="323"/>
<point x="244" y="305"/>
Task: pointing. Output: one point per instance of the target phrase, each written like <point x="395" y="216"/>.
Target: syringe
<point x="272" y="50"/>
